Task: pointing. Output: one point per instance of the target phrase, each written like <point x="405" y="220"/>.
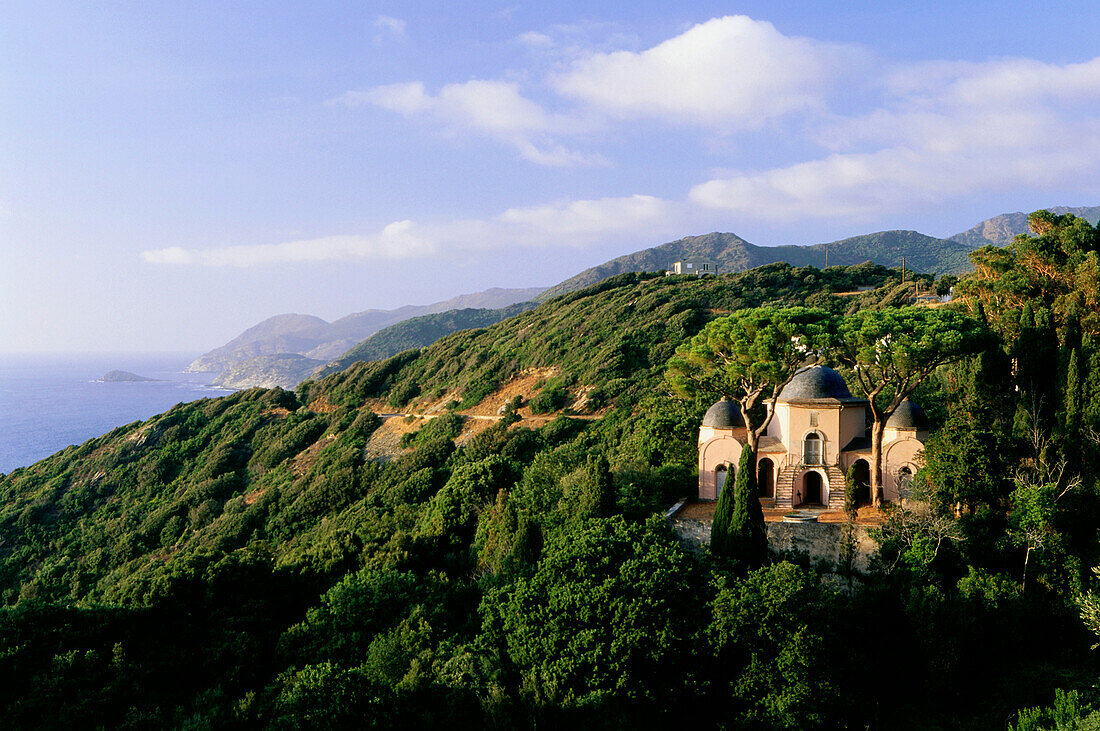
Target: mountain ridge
<point x="1001" y="230"/>
<point x="323" y="346"/>
<point x="731" y="253"/>
<point x="317" y="339"/>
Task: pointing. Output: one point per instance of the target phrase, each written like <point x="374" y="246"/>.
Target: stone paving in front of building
<point x="704" y="511"/>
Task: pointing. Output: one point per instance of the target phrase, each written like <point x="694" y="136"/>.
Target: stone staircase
<point x="836" y="487"/>
<point x="784" y="486"/>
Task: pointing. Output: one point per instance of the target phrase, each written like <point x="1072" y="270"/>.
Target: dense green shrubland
<point x="238" y="562"/>
<point x="418" y="332"/>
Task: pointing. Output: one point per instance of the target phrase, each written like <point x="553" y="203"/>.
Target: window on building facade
<point x="813" y="418"/>
<point x="813" y="451"/>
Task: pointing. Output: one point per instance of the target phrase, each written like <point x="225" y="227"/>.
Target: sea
<point x="49" y="401"/>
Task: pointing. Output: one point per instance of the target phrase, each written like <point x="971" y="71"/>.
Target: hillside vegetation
<point x="731" y="253"/>
<point x="252" y="526"/>
<point x="614" y="337"/>
<point x="418" y="332"/>
<point x="240" y="562"/>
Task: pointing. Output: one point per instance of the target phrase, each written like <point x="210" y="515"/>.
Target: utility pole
<point x="826" y="256"/>
<point x="903" y="270"/>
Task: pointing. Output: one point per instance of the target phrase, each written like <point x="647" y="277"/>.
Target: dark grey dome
<point x="816" y="382"/>
<point x="907" y="416"/>
<point x="725" y="414"/>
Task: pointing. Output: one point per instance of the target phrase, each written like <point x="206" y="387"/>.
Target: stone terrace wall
<point x="821" y="541"/>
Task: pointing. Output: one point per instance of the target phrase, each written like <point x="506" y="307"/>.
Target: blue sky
<point x="171" y="173"/>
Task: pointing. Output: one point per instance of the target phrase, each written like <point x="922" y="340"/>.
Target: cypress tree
<point x="738" y="529"/>
<point x="1090" y="382"/>
<point x="721" y="540"/>
<point x="1036" y="351"/>
<point x="989" y="389"/>
<point x="1072" y="446"/>
<point x="1073" y="396"/>
<point x="851" y="501"/>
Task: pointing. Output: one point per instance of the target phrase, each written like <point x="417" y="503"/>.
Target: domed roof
<point x="907" y="416"/>
<point x="816" y="382"/>
<point x="725" y="414"/>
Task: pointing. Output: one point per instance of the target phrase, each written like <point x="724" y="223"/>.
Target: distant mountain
<point x="419" y="332"/>
<point x="321" y="341"/>
<point x="268" y="371"/>
<point x="322" y="347"/>
<point x="731" y="253"/>
<point x="279" y="334"/>
<point x="1001" y="230"/>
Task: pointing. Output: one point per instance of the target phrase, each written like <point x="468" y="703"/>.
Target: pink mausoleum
<point x="818" y="432"/>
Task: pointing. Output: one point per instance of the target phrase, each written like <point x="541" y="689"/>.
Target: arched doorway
<point x="765" y="477"/>
<point x="862" y="475"/>
<point x="720" y="474"/>
<point x="813" y="449"/>
<point x="810" y="492"/>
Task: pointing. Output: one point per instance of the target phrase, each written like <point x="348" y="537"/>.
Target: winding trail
<point x="482" y="417"/>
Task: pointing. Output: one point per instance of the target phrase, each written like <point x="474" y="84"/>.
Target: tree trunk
<point x="752" y="437"/>
<point x="753" y="434"/>
<point x="877" y="431"/>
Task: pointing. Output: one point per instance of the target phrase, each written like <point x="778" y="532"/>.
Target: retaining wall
<point x="821" y="541"/>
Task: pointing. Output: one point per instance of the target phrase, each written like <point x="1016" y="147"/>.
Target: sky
<point x="173" y="173"/>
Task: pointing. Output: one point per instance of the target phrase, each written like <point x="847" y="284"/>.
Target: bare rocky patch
<point x="385" y="443"/>
<point x="301" y="462"/>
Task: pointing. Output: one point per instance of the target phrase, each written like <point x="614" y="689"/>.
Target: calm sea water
<point x="48" y="402"/>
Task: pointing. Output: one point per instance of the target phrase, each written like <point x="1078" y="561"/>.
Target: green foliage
<point x="851" y="493"/>
<point x="1067" y="714"/>
<point x="616" y="336"/>
<point x="1058" y="269"/>
<point x="239" y="562"/>
<point x="602" y="623"/>
<point x="723" y="542"/>
<point x="768" y="634"/>
<point x="551" y="397"/>
<point x="751" y="353"/>
<point x="419" y="332"/>
<point x="731" y="254"/>
<point x="737" y="530"/>
<point x="891" y="351"/>
<point x="903" y="345"/>
<point x="452" y="512"/>
<point x="748" y="538"/>
<point x="597" y="497"/>
<point x="446" y="426"/>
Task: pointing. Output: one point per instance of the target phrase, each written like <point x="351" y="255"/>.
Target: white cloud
<point x="170" y="255"/>
<point x="398" y="240"/>
<point x="583" y="222"/>
<point x="944" y="130"/>
<point x="730" y="73"/>
<point x="734" y="72"/>
<point x="534" y="39"/>
<point x="568" y="224"/>
<point x="394" y="27"/>
<point x="493" y="108"/>
<point x="936" y="130"/>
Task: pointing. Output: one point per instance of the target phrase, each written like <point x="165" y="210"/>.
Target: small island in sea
<point x="124" y="377"/>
